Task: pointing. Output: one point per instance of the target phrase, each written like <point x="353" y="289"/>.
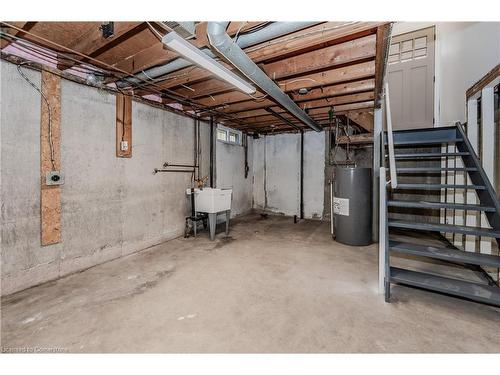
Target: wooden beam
<point x="123" y="125"/>
<point x="247" y="105"/>
<point x="337" y="100"/>
<point x="363" y="119"/>
<point x="324" y="58"/>
<point x="204" y="88"/>
<point x="380" y="61"/>
<point x="356" y="139"/>
<point x="347" y="73"/>
<point x="335" y="90"/>
<point x="92" y="43"/>
<point x="318" y="36"/>
<point x="342" y="108"/>
<point x="322" y="35"/>
<point x="235" y="99"/>
<point x="226" y="98"/>
<point x="483" y="82"/>
<point x="237" y="96"/>
<point x="158" y="54"/>
<point x="50" y="195"/>
<point x="26" y="26"/>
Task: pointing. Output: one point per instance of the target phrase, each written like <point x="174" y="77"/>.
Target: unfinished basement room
<point x="250" y="186"/>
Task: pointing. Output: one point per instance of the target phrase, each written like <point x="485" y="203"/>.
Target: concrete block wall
<point x="111" y="206"/>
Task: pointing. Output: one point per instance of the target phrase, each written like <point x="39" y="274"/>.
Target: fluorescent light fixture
<point x="175" y="42"/>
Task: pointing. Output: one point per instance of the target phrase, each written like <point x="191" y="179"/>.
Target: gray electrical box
<point x="54" y="178"/>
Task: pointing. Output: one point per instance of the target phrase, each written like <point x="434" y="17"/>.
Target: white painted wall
<point x="230" y="173"/>
<point x="465" y="52"/>
<point x="276" y="164"/>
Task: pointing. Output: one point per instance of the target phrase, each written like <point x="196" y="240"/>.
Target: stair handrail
<point x="390" y="139"/>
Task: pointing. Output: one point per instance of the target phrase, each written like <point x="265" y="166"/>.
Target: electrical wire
<point x="36" y="51"/>
<point x="258" y="99"/>
<point x="298" y="80"/>
<point x="157" y="34"/>
<point x="238" y="32"/>
<point x="51" y="145"/>
<point x="173" y="96"/>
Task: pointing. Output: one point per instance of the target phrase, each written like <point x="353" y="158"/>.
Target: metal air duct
<point x="233" y="53"/>
<point x="274" y="30"/>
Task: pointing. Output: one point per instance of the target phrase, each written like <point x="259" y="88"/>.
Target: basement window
<point x="221" y="135"/>
<point x="228" y="135"/>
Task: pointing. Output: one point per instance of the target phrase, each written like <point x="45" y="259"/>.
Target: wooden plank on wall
<point x="123" y="125"/>
<point x="50" y="196"/>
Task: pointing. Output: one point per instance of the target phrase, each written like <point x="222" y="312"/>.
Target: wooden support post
<point x="123" y="126"/>
<point x="50" y="147"/>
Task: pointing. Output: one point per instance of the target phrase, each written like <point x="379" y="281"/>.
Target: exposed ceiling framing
<point x="339" y="64"/>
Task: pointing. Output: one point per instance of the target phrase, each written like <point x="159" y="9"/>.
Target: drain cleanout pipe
<point x="274" y="30"/>
<point x="301" y="174"/>
<point x="225" y="46"/>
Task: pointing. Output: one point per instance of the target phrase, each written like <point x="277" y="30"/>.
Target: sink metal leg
<point x="212" y="222"/>
<point x="195" y="224"/>
<point x="228" y="215"/>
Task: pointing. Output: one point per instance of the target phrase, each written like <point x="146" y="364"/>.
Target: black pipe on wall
<point x="211" y="152"/>
<point x="301" y="174"/>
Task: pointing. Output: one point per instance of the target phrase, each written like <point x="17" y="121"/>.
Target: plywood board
<point x="123" y="125"/>
<point x="50" y="197"/>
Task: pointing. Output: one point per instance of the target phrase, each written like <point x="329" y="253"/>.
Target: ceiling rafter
<point x="315" y="37"/>
<point x="93" y="43"/>
<point x="25" y="26"/>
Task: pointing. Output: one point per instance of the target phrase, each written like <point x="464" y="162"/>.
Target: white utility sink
<point x="212" y="200"/>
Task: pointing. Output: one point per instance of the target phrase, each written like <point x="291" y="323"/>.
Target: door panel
<point x="410" y="74"/>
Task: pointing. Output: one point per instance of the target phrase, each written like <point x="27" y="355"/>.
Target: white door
<point x="410" y="74"/>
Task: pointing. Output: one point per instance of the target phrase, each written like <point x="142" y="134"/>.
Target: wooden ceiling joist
<point x="26" y="26"/>
<point x="93" y="43"/>
<point x="335" y="90"/>
<point x="363" y="119"/>
<point x="324" y="58"/>
<point x="340" y="64"/>
<point x="302" y="41"/>
<point x="329" y="77"/>
<point x="235" y="100"/>
<point x="157" y="53"/>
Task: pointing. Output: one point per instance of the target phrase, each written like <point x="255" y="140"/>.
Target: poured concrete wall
<point x="277" y="174"/>
<point x="111" y="206"/>
<point x="230" y="165"/>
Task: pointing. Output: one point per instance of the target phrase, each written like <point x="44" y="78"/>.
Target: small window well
<point x="228" y="135"/>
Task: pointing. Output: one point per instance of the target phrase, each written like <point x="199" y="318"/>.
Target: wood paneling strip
<point x="50" y="196"/>
<point x="123" y="125"/>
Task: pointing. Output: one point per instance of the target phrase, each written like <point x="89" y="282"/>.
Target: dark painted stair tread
<point x="424" y="141"/>
<point x="438" y="186"/>
<point x="432" y="169"/>
<point x="474" y="291"/>
<point x="437" y="205"/>
<point x="429" y="155"/>
<point x="445" y="253"/>
<point x="473" y="231"/>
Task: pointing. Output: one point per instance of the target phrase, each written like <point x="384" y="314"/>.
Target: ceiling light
<point x="175" y="42"/>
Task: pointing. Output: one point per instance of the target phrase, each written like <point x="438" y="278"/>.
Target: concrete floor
<point x="272" y="286"/>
